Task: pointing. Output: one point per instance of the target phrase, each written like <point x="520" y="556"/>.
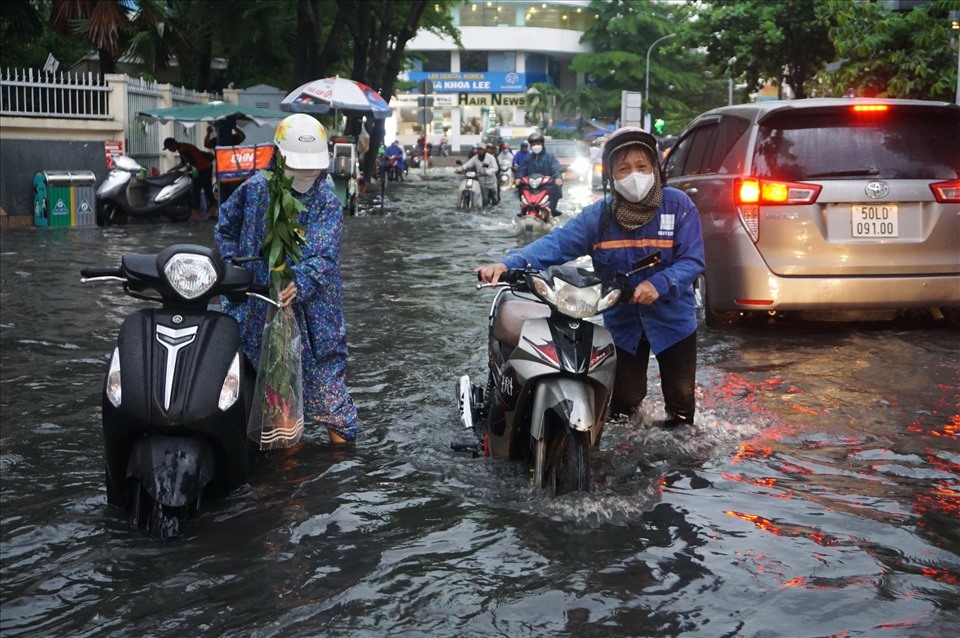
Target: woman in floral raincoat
<point x="317" y="291"/>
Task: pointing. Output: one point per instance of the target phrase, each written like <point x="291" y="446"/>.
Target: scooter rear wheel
<point x="179" y="213"/>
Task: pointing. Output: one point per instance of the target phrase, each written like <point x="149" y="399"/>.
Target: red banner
<point x="240" y="162"/>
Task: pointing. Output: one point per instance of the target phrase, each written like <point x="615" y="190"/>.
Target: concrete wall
<point x="21" y="159"/>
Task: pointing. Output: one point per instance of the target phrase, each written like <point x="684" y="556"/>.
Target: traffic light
<point x="658" y="126"/>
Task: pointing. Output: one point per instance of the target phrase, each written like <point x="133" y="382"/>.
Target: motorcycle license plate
<point x="874" y="221"/>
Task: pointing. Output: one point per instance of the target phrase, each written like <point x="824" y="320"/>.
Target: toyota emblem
<point x="877" y="190"/>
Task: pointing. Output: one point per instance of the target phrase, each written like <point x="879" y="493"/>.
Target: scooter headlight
<point x="579" y="303"/>
<point x="230" y="390"/>
<point x="190" y="275"/>
<point x="609" y="300"/>
<point x="113" y="379"/>
<point x="543" y="290"/>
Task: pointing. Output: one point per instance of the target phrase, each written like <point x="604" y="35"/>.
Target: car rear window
<point x="563" y="149"/>
<point x="899" y="143"/>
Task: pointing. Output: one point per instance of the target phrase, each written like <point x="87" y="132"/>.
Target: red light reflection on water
<point x="780" y="530"/>
<point x="940" y="575"/>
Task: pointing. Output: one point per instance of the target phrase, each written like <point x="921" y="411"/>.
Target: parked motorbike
<point x="468" y="192"/>
<point x="551" y="372"/>
<point x="534" y="202"/>
<point x="178" y="390"/>
<point x="127" y="191"/>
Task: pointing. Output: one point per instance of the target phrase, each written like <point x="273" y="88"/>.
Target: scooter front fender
<point x="572" y="400"/>
<point x="173" y="470"/>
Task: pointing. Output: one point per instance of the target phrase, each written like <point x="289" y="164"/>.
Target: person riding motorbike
<point x="485" y="164"/>
<point x="521" y="156"/>
<point x="542" y="162"/>
<point x="396" y="150"/>
<point x="639" y="217"/>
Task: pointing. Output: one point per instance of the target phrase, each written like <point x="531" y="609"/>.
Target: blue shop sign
<point x="466" y="82"/>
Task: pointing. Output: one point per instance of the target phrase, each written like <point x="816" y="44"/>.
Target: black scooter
<point x="127" y="191"/>
<point x="178" y="390"/>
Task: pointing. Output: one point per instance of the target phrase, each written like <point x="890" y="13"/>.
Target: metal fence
<point x="33" y="93"/>
<point x="144" y="142"/>
<point x="143" y="138"/>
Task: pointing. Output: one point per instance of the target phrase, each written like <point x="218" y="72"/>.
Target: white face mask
<point x="303" y="178"/>
<point x="536" y="149"/>
<point x="634" y="186"/>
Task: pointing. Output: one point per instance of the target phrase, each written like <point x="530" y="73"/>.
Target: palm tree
<point x="114" y="26"/>
<point x="540" y="100"/>
<point x="583" y="101"/>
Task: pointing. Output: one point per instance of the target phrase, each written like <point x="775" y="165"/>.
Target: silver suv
<point x="820" y="205"/>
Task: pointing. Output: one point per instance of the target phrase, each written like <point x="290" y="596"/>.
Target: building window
<point x="435" y="60"/>
<point x="545" y="14"/>
<point x="488" y="13"/>
<point x="473" y="61"/>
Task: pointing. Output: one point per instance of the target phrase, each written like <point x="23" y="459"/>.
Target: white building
<point x="508" y="45"/>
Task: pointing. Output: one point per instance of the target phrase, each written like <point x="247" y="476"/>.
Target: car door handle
<point x="691" y="191"/>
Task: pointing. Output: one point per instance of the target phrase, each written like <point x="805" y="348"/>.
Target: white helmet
<point x="302" y="141"/>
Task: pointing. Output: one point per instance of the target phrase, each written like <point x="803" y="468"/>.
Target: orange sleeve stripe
<point x="633" y="243"/>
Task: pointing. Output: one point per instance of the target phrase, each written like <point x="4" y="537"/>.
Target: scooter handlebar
<point x="90" y="272"/>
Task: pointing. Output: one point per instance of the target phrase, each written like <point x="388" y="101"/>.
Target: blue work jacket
<point x="674" y="231"/>
<point x="542" y="163"/>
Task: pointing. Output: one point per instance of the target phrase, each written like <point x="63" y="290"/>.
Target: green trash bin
<point x="62" y="199"/>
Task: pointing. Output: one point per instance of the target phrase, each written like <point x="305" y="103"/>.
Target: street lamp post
<point x="646" y="91"/>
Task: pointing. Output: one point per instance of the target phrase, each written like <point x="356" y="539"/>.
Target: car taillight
<point x="870" y="108"/>
<point x="751" y="193"/>
<point x="947" y="192"/>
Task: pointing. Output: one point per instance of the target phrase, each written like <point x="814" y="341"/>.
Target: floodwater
<point x="816" y="496"/>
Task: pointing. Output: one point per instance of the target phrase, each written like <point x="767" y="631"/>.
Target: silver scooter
<point x="468" y="191"/>
<point x="551" y="372"/>
<point x="127" y="191"/>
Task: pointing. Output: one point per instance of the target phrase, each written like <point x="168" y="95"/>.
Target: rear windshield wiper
<point x="850" y="172"/>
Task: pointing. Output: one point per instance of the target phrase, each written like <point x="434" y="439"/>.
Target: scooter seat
<point x="510" y="317"/>
<point x="163" y="180"/>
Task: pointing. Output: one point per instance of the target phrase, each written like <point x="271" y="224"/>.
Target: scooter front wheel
<point x="108" y="214"/>
<point x="152" y="517"/>
<point x="567" y="461"/>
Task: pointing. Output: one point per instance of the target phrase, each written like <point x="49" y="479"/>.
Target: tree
<point x="681" y="85"/>
<point x="886" y="53"/>
<point x="541" y="98"/>
<point x="759" y="40"/>
<point x="583" y="101"/>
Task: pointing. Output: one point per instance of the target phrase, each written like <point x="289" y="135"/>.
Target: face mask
<point x="536" y="148"/>
<point x="303" y="178"/>
<point x="634" y="186"/>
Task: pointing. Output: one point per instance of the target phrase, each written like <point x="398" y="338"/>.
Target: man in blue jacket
<point x="639" y="218"/>
<point x="542" y="162"/>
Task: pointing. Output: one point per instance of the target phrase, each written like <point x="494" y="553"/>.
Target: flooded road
<point x="818" y="495"/>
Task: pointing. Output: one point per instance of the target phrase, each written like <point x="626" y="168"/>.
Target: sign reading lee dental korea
<point x="464" y="82"/>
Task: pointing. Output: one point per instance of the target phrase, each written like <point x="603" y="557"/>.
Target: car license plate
<point x="874" y="221"/>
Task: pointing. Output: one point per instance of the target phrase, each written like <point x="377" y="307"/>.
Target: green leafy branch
<point x="282" y="246"/>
